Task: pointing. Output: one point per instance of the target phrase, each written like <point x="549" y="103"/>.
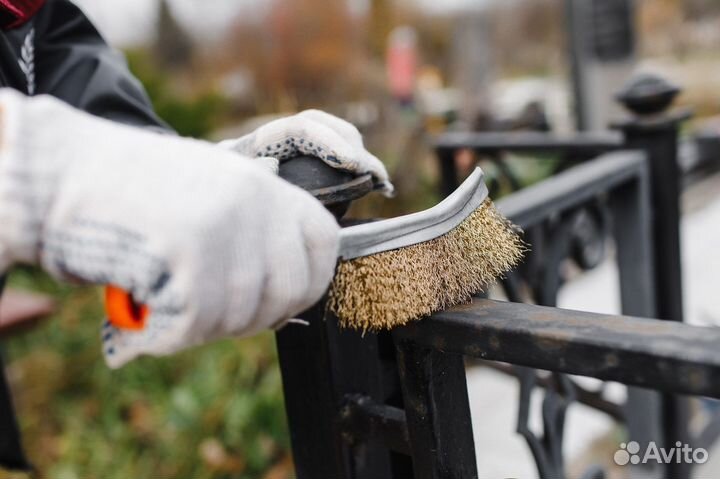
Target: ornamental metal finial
<point x="647" y="94"/>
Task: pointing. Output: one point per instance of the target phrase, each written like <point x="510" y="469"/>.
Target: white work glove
<point x="314" y="133"/>
<point x="214" y="245"/>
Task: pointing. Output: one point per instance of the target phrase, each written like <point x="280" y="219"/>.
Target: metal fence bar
<point x="582" y="143"/>
<point x="663" y="355"/>
<point x="658" y="135"/>
<point x="438" y="413"/>
<point x="623" y="179"/>
<point x="632" y="222"/>
<point x="310" y="400"/>
<point x="345" y="415"/>
<point x="364" y="420"/>
<point x="321" y="367"/>
<point x="579" y="145"/>
<point x="534" y="204"/>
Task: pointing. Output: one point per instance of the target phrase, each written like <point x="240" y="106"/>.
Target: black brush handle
<point x="333" y="187"/>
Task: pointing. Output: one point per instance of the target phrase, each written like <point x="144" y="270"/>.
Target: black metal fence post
<point x="321" y="367"/>
<point x="653" y="129"/>
<point x="438" y="413"/>
<point x="656" y="131"/>
<point x="631" y="214"/>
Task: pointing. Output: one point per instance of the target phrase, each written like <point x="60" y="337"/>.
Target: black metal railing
<point x="648" y="257"/>
<point x="667" y="356"/>
<point x="395" y="405"/>
<point x="494" y="145"/>
<point x="351" y="392"/>
<point x="619" y="183"/>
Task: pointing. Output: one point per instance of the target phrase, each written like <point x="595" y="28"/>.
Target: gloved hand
<point x="214" y="246"/>
<point x="314" y="133"/>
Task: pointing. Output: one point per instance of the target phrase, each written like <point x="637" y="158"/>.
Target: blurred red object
<point x="19" y="11"/>
<point x="402" y="63"/>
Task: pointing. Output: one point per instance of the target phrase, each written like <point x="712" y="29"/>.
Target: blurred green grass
<point x="212" y="412"/>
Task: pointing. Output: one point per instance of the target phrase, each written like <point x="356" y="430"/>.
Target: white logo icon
<point x="627" y="454"/>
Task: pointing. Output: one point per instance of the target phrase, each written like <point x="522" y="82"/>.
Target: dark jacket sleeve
<point x="74" y="63"/>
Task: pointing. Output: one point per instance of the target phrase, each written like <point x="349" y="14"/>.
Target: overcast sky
<point x="127" y="22"/>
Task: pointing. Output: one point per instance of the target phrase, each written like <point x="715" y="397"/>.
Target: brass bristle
<point x="392" y="288"/>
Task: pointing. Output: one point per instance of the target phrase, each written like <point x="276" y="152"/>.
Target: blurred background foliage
<point x="196" y="115"/>
<point x="217" y="411"/>
<point x="210" y="413"/>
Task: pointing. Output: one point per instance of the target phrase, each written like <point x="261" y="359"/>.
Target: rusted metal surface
<point x="656" y="354"/>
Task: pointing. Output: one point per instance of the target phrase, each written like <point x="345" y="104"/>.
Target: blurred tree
<point x="312" y="46"/>
<point x="529" y="36"/>
<point x="381" y="24"/>
<point x="302" y="54"/>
